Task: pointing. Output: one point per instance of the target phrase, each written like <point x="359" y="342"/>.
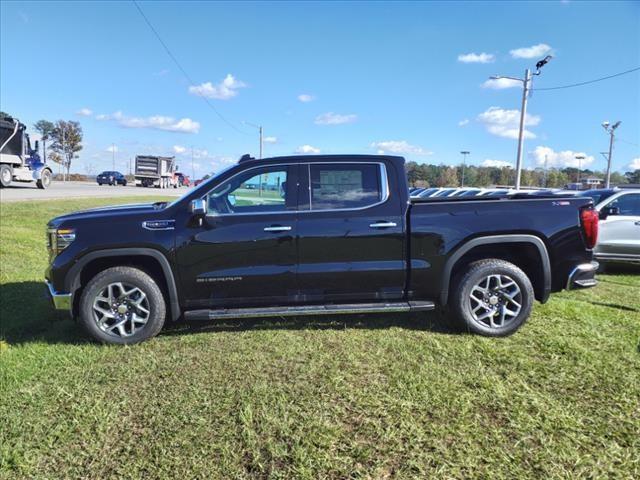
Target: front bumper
<point x="61" y="301"/>
<point x="583" y="276"/>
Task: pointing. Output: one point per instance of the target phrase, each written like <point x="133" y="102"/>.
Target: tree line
<point x="65" y="137"/>
<point x="430" y="175"/>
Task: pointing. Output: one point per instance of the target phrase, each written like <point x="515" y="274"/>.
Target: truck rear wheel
<point x="122" y="305"/>
<point x="6" y="175"/>
<point x="492" y="297"/>
<point x="45" y="180"/>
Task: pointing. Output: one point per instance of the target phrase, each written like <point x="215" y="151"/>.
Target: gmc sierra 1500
<point x="311" y="235"/>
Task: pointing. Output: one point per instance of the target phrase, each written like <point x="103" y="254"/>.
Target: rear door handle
<point x="383" y="225"/>
<point x="277" y="228"/>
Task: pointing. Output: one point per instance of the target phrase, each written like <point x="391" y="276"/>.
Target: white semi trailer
<point x="153" y="171"/>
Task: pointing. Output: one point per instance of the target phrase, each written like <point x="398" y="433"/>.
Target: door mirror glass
<point x="606" y="211"/>
<point x="198" y="207"/>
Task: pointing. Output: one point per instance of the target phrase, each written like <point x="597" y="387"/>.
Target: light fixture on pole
<point x="610" y="130"/>
<point x="464" y="162"/>
<point x="259" y="127"/>
<point x="579" y="158"/>
<point x="526" y="88"/>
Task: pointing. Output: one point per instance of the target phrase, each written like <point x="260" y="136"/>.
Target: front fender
<point x="36" y="170"/>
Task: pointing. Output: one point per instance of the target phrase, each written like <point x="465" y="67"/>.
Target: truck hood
<point x="106" y="213"/>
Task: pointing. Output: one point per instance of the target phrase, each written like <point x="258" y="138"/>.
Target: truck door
<point x="245" y="251"/>
<point x="351" y="233"/>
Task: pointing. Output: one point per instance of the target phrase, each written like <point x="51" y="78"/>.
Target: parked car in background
<point x="111" y="178"/>
<point x="598" y="195"/>
<point x="619" y="239"/>
<point x="183" y="180"/>
<point x="200" y="180"/>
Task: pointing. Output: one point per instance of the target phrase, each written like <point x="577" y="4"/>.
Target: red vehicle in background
<point x="200" y="180"/>
<point x="182" y="180"/>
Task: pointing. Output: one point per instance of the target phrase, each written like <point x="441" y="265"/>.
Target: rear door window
<point x="345" y="186"/>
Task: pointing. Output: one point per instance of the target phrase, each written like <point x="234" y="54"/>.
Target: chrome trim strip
<point x="277" y="229"/>
<point x="383" y="225"/>
<point x="61" y="301"/>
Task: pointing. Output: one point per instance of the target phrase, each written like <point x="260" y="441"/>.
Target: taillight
<point x="589" y="221"/>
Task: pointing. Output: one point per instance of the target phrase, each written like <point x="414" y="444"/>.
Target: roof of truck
<point x="325" y="158"/>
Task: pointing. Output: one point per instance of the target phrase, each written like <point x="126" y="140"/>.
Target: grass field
<point x="364" y="397"/>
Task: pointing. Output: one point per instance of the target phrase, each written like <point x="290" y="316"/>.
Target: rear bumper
<point x="583" y="276"/>
<point x="61" y="301"/>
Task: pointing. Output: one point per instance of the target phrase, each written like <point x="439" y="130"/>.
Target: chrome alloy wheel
<point x="121" y="309"/>
<point x="495" y="301"/>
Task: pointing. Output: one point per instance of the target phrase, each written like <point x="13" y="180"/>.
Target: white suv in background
<point x="619" y="236"/>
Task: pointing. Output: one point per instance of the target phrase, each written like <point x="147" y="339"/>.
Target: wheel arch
<point x="148" y="259"/>
<point x="485" y="247"/>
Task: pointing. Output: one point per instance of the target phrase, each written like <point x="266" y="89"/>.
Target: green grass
<point x="365" y="397"/>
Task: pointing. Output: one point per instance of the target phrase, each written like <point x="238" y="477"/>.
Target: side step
<point x="291" y="311"/>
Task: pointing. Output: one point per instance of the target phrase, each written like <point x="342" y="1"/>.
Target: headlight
<point x="59" y="239"/>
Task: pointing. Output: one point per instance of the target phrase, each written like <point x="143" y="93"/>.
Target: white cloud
<point x="331" y="118"/>
<point x="501" y="83"/>
<point x="464" y="122"/>
<point x="565" y="158"/>
<point x="306" y="97"/>
<point x="225" y="90"/>
<point x="307" y="149"/>
<point x="157" y="122"/>
<point x="476" y="58"/>
<point x="400" y="147"/>
<point x="496" y="163"/>
<point x="179" y="149"/>
<point x="635" y="164"/>
<point x="534" y="51"/>
<point x="112" y="149"/>
<point x="505" y="123"/>
<point x="270" y="140"/>
<point x="84" y="112"/>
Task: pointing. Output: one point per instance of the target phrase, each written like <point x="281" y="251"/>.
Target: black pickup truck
<point x="311" y="235"/>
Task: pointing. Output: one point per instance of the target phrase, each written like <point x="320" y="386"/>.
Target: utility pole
<point x="259" y="127"/>
<point x="113" y="155"/>
<point x="464" y="162"/>
<point x="544" y="176"/>
<point x="526" y="88"/>
<point x="611" y="130"/>
<point x="579" y="158"/>
<point x="193" y="170"/>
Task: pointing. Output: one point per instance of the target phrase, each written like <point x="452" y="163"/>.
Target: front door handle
<point x="383" y="225"/>
<point x="637" y="223"/>
<point x="277" y="228"/>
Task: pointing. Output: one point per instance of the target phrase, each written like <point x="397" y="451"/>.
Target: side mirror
<point x="198" y="207"/>
<point x="606" y="211"/>
<point x="232" y="200"/>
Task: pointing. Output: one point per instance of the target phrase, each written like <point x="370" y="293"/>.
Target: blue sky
<point x="325" y="77"/>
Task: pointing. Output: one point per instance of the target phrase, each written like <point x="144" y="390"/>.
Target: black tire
<point x="473" y="280"/>
<point x="45" y="180"/>
<point x="131" y="278"/>
<point x="124" y="184"/>
<point x="6" y="175"/>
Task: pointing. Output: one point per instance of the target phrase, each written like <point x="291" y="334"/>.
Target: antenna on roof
<point x="245" y="158"/>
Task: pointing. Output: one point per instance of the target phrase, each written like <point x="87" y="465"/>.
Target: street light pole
<point x="259" y="127"/>
<point x="113" y="156"/>
<point x="464" y="162"/>
<point x="611" y="131"/>
<point x="579" y="158"/>
<point x="526" y="88"/>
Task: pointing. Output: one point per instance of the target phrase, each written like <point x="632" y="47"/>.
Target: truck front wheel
<point x="45" y="180"/>
<point x="122" y="305"/>
<point x="5" y="175"/>
<point x="491" y="297"/>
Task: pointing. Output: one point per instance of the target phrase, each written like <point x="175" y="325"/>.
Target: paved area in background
<point x="28" y="191"/>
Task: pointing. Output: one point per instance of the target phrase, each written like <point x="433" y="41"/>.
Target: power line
<point x="186" y="75"/>
<point x="588" y="82"/>
<point x="627" y="141"/>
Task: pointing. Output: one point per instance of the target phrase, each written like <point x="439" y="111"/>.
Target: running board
<point x="291" y="311"/>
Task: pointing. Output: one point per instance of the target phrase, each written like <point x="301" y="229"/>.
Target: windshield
<point x="208" y="181"/>
<point x="597" y="196"/>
